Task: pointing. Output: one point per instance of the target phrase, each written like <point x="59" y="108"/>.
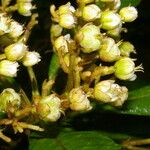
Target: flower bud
<point x="126" y="48"/>
<point x="125" y="69"/>
<point x="67" y="21"/>
<point x="15" y="52"/>
<point x="85" y="1"/>
<point x="65" y="9"/>
<point x="88" y="38"/>
<point x="24" y="8"/>
<point x="62" y="43"/>
<point x="109" y="20"/>
<point x="49" y="108"/>
<point x="109" y="51"/>
<point x="8" y="68"/>
<point x="128" y="14"/>
<point x="91" y="12"/>
<point x="3" y="24"/>
<point x="31" y="58"/>
<point x="9" y="96"/>
<point x="15" y="29"/>
<point x="115" y="33"/>
<point x="56" y="30"/>
<point x="78" y="100"/>
<point x="108" y="92"/>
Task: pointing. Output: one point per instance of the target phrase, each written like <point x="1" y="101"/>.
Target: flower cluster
<point x="93" y="48"/>
<point x="15" y="49"/>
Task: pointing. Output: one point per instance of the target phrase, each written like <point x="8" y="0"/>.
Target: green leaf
<point x="83" y="140"/>
<point x="138" y="102"/>
<point x="125" y="3"/>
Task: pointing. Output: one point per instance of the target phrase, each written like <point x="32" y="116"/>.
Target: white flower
<point x="8" y="68"/>
<point x="31" y="58"/>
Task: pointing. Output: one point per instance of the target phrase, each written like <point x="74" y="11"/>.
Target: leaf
<point x="83" y="140"/>
<point x="125" y="3"/>
<point x="138" y="102"/>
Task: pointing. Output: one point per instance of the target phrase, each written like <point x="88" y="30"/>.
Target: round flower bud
<point x="125" y="69"/>
<point x="3" y="24"/>
<point x="61" y="43"/>
<point x="15" y="29"/>
<point x="65" y="9"/>
<point x="126" y="48"/>
<point x="67" y="21"/>
<point x="91" y="12"/>
<point x="78" y="100"/>
<point x="56" y="30"/>
<point x="31" y="58"/>
<point x="24" y="8"/>
<point x="128" y="14"/>
<point x="8" y="68"/>
<point x="9" y="96"/>
<point x="109" y="51"/>
<point x="15" y="52"/>
<point x="108" y="92"/>
<point x="49" y="108"/>
<point x="85" y="1"/>
<point x="109" y="20"/>
<point x="115" y="33"/>
<point x="88" y="38"/>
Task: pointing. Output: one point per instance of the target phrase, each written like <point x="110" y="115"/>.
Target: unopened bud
<point x="4" y="22"/>
<point x="24" y="8"/>
<point x="31" y="58"/>
<point x="78" y="100"/>
<point x="67" y="21"/>
<point x="49" y="108"/>
<point x="65" y="9"/>
<point x="56" y="30"/>
<point x="91" y="12"/>
<point x="126" y="48"/>
<point x="61" y="43"/>
<point x="15" y="52"/>
<point x="88" y="38"/>
<point x="108" y="92"/>
<point x="15" y="29"/>
<point x="128" y="14"/>
<point x="109" y="51"/>
<point x="109" y="20"/>
<point x="8" y="68"/>
<point x="9" y="96"/>
<point x="125" y="69"/>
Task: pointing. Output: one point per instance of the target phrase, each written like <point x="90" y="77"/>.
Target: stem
<point x="35" y="91"/>
<point x="29" y="27"/>
<point x="11" y="8"/>
<point x="5" y="3"/>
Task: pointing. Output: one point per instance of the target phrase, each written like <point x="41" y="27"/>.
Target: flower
<point x="78" y="100"/>
<point x="8" y="68"/>
<point x="9" y="96"/>
<point x="110" y="20"/>
<point x="49" y="108"/>
<point x="128" y="14"/>
<point x="31" y="58"/>
<point x="16" y="51"/>
<point x="108" y="92"/>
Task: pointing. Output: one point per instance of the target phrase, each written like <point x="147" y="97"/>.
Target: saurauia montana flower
<point x="8" y="68"/>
